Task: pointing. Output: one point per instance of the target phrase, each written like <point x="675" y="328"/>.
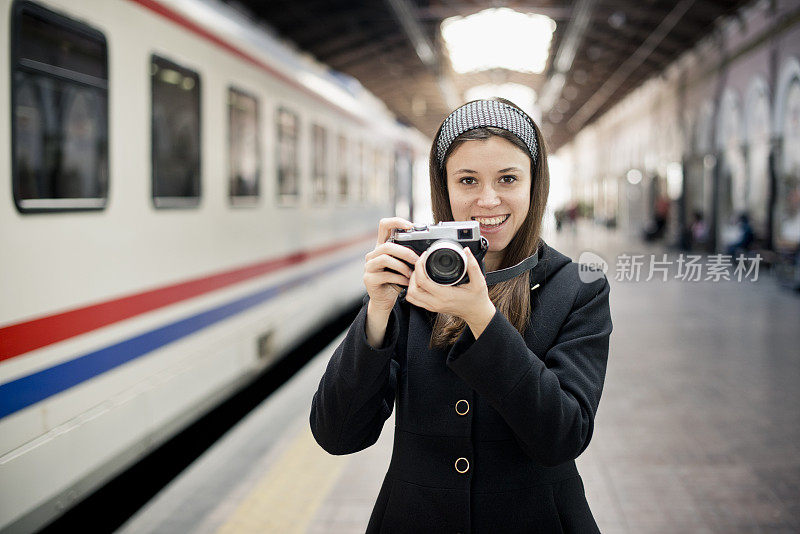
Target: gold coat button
<point x="462" y="465"/>
<point x="462" y="407"/>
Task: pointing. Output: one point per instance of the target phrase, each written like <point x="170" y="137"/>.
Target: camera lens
<point x="446" y="263"/>
<point x="444" y="266"/>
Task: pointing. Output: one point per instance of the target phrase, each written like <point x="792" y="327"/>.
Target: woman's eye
<point x="469" y="180"/>
<point x="508" y="179"/>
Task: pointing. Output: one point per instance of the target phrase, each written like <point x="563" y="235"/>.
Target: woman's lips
<point x="492" y="229"/>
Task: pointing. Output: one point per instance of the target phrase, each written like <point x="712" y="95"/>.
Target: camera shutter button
<point x="420" y="228"/>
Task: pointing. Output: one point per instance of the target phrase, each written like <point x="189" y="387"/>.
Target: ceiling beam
<point x="567" y="48"/>
<point x="440" y="12"/>
<point x="613" y="83"/>
<point x="322" y="32"/>
<point x="635" y="15"/>
<point x="400" y="73"/>
<point x="427" y="53"/>
<point x="672" y="41"/>
<point x="623" y="47"/>
<point x="341" y="22"/>
<point x="347" y="40"/>
<point x="367" y="50"/>
<point x="278" y="13"/>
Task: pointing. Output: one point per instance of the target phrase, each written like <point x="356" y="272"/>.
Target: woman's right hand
<point x="382" y="285"/>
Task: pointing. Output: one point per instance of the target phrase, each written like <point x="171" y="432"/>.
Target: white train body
<point x="120" y="325"/>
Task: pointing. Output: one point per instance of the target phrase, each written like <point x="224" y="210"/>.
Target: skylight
<point x="498" y="38"/>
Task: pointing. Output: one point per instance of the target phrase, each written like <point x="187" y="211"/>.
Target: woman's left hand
<point x="469" y="301"/>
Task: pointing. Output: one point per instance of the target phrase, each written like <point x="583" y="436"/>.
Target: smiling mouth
<point x="490" y="222"/>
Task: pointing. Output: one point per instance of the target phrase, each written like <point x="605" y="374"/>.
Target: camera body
<point x="447" y="262"/>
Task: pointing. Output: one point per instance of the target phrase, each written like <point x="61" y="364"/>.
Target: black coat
<point x="486" y="433"/>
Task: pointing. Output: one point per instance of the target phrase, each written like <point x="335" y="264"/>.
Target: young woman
<point x="496" y="387"/>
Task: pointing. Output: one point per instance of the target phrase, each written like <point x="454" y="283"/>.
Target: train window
<point x="319" y="144"/>
<point x="288" y="175"/>
<point x="244" y="155"/>
<point x="176" y="134"/>
<point x="59" y="100"/>
<point x="342" y="174"/>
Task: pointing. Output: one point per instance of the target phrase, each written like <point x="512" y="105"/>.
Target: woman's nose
<point x="488" y="198"/>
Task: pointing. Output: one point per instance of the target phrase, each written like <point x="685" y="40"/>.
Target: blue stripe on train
<point x="33" y="388"/>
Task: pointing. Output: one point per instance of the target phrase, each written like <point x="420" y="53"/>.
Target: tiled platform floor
<point x="698" y="429"/>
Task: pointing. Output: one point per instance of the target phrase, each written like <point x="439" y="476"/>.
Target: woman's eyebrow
<point x="470" y="171"/>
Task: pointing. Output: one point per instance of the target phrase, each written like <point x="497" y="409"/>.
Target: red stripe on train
<point x="24" y="337"/>
<point x="179" y="19"/>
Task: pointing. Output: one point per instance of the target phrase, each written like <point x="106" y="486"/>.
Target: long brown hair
<point x="512" y="297"/>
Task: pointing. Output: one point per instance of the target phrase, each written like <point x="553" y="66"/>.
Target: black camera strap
<point x="501" y="275"/>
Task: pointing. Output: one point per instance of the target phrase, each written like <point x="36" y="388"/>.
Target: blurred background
<point x="191" y="187"/>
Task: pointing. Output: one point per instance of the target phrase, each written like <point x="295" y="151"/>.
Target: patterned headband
<point x="481" y="113"/>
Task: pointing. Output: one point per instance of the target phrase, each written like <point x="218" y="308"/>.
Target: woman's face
<point x="490" y="181"/>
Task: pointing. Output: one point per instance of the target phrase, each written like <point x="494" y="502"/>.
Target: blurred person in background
<point x="699" y="231"/>
<point x="744" y="238"/>
<point x="658" y="225"/>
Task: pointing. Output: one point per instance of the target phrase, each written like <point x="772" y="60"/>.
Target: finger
<point x="386" y="225"/>
<point x="422" y="277"/>
<point x="413" y="283"/>
<point x="417" y="297"/>
<point x="398" y="251"/>
<point x="398" y="288"/>
<point x="419" y="265"/>
<point x="384" y="261"/>
<point x="386" y="277"/>
<point x="474" y="269"/>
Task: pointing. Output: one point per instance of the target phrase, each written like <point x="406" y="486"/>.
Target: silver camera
<point x="447" y="262"/>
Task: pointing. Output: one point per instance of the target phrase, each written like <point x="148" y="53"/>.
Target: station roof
<point x="601" y="50"/>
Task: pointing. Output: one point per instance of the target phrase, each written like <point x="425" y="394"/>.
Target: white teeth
<point x="491" y="221"/>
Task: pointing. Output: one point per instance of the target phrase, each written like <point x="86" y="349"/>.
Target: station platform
<point x="697" y="431"/>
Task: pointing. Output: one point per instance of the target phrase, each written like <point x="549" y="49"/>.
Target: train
<point x="187" y="197"/>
